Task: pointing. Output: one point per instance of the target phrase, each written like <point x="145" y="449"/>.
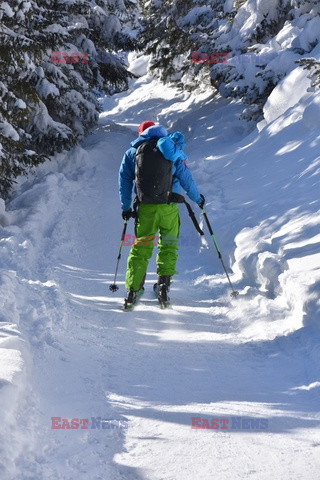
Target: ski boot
<point x="132" y="298"/>
<point x="161" y="290"/>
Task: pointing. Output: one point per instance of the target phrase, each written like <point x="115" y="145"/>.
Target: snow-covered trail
<point x="208" y="357"/>
<point x="155" y="369"/>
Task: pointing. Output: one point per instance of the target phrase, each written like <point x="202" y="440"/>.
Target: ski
<point x="131" y="301"/>
<point x="164" y="304"/>
<point x="128" y="307"/>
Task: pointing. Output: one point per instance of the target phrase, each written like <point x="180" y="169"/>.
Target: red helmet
<point x="144" y="125"/>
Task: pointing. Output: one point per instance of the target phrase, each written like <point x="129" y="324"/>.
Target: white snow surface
<point x="67" y="350"/>
<point x="286" y="94"/>
<point x="311" y="114"/>
<point x="138" y="64"/>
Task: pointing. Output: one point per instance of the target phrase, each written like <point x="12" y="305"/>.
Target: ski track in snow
<point x="76" y="355"/>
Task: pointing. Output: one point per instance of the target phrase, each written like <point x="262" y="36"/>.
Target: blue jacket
<point x="171" y="147"/>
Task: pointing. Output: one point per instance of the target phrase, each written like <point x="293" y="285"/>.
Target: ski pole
<point x="114" y="287"/>
<point x="234" y="292"/>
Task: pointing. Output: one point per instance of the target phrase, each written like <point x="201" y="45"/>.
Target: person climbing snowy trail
<point x="215" y="387"/>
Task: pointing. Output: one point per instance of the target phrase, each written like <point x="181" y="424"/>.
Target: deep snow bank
<point x="30" y="301"/>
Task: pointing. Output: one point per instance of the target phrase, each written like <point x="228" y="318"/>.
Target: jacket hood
<point x="156" y="131"/>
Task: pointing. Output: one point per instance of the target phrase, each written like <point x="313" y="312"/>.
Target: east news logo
<point x="232" y="423"/>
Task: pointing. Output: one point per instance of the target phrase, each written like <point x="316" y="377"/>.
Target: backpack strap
<point x="193" y="218"/>
<point x="177" y="198"/>
<point x="135" y="206"/>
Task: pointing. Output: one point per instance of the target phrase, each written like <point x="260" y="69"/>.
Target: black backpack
<point x="153" y="173"/>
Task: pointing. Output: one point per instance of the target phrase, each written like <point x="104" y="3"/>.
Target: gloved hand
<point x="127" y="214"/>
<point x="203" y="201"/>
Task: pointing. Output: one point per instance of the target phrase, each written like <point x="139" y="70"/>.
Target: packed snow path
<point x="153" y="370"/>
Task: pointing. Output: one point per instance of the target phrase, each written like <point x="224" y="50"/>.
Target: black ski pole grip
<point x="124" y="230"/>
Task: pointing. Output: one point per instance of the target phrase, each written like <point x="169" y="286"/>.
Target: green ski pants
<point x="153" y="218"/>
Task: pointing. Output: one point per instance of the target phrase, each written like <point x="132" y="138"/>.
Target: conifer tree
<point x="46" y="105"/>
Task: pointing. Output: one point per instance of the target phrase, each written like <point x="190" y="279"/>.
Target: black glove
<point x="127" y="214"/>
<point x="203" y="201"/>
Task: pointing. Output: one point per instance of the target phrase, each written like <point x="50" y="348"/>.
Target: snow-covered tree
<point x="49" y="99"/>
<point x="264" y="41"/>
<point x="172" y="30"/>
<point x="242" y="48"/>
<point x="18" y="96"/>
<point x="313" y="66"/>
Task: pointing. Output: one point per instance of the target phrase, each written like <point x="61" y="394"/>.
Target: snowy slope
<point x="68" y="351"/>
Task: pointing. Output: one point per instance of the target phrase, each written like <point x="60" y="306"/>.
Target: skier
<point x="156" y="166"/>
